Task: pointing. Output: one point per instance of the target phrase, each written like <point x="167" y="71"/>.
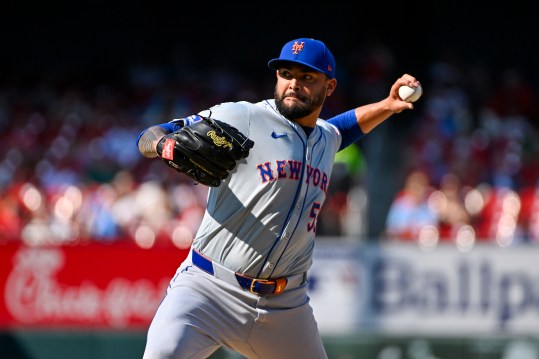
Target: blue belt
<point x="254" y="285"/>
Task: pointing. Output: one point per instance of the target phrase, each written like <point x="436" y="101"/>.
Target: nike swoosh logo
<point x="274" y="135"/>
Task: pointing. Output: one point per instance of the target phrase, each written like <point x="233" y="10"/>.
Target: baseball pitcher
<point x="268" y="165"/>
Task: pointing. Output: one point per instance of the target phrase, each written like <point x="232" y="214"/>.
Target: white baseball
<point x="410" y="94"/>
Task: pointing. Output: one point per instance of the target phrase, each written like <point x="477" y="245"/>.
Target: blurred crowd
<point x="70" y="171"/>
<point x="472" y="169"/>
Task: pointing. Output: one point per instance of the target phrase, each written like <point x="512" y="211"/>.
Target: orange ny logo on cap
<point x="297" y="47"/>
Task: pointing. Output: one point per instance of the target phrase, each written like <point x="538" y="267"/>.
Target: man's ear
<point x="330" y="86"/>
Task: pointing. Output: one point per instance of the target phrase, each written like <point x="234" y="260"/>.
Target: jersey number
<point x="311" y="226"/>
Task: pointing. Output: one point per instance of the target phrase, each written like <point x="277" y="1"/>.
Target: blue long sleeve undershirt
<point x="346" y="122"/>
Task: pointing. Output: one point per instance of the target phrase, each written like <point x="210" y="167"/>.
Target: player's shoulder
<point x="327" y="126"/>
<point x="239" y="109"/>
<point x="239" y="114"/>
<point x="236" y="109"/>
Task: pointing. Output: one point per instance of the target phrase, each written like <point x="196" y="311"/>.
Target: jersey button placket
<point x="308" y="151"/>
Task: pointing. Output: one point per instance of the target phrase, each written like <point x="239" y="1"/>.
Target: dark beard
<point x="293" y="113"/>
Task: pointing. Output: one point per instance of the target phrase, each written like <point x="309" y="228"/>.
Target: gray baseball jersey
<point x="260" y="222"/>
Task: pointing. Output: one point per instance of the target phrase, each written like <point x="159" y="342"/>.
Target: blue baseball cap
<point x="308" y="52"/>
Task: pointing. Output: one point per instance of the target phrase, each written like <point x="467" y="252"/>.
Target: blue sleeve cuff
<point x="346" y="123"/>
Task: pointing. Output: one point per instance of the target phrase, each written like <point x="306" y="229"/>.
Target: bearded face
<point x="297" y="110"/>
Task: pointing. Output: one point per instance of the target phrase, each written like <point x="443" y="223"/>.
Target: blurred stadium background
<point x="428" y="241"/>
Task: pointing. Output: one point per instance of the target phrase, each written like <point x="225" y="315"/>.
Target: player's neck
<point x="308" y="121"/>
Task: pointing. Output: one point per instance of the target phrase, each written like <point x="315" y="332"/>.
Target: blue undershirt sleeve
<point x="346" y="122"/>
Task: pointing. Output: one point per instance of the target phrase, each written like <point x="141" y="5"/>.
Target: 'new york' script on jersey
<point x="292" y="169"/>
